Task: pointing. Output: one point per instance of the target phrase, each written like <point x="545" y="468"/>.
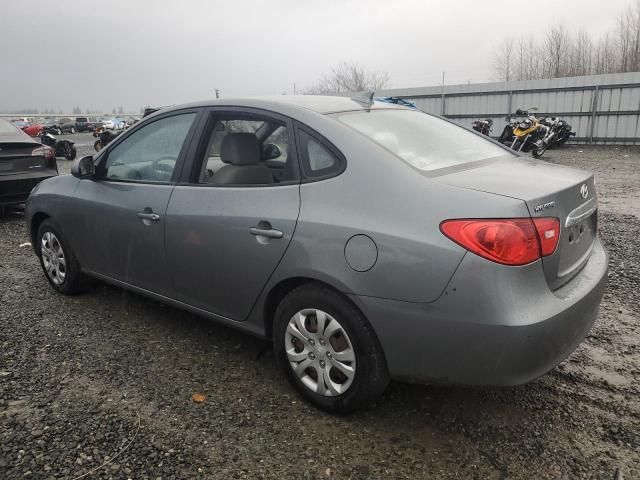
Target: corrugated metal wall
<point x="600" y="108"/>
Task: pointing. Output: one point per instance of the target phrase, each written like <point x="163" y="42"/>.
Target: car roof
<point x="289" y="104"/>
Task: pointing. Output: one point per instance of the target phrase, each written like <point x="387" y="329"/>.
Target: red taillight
<point x="516" y="241"/>
<point x="549" y="233"/>
<point x="43" y="151"/>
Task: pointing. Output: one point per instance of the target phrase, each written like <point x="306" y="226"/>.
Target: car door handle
<point x="154" y="217"/>
<point x="269" y="233"/>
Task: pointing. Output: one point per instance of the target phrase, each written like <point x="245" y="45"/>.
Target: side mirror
<point x="271" y="151"/>
<point x="83" y="168"/>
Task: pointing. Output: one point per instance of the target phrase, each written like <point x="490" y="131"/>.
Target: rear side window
<point x="423" y="141"/>
<point x="318" y="159"/>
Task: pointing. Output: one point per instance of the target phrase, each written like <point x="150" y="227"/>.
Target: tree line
<point x="561" y="53"/>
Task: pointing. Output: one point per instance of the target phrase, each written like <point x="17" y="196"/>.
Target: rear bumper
<point x="490" y="327"/>
<point x="14" y="189"/>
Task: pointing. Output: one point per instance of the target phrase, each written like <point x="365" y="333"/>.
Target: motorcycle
<point x="564" y="132"/>
<point x="104" y="137"/>
<point x="483" y="126"/>
<point x="62" y="148"/>
<point x="52" y="129"/>
<point x="525" y="135"/>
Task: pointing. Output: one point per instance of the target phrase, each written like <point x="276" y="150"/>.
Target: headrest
<point x="240" y="149"/>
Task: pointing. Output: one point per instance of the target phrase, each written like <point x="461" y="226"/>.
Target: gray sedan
<point x="369" y="241"/>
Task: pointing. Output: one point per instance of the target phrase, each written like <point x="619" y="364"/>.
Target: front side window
<point x="423" y="141"/>
<point x="151" y="153"/>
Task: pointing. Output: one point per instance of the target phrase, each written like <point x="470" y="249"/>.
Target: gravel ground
<point x="82" y="378"/>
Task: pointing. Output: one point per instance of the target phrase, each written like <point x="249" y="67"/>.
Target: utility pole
<point x="217" y="93"/>
<point x="442" y="104"/>
<point x="294" y="88"/>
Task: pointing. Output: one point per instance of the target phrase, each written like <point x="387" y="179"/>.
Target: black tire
<point x="97" y="145"/>
<point x="537" y="152"/>
<point x="74" y="281"/>
<point x="70" y="152"/>
<point x="371" y="375"/>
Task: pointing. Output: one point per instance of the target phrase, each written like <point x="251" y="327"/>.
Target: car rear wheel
<point x="70" y="152"/>
<point x="58" y="262"/>
<point x="327" y="350"/>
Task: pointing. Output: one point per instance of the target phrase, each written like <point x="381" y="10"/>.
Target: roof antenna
<point x="365" y="98"/>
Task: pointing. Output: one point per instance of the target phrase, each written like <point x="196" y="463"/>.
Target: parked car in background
<point x="118" y="124"/>
<point x="23" y="163"/>
<point x="67" y="125"/>
<point x="96" y="124"/>
<point x="107" y="123"/>
<point x="30" y="128"/>
<point x="82" y="124"/>
<point x="51" y="126"/>
<point x="369" y="241"/>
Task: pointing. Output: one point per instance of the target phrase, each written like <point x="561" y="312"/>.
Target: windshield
<point x="423" y="141"/>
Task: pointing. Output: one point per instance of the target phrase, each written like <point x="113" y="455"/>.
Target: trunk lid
<point x="549" y="191"/>
<point x="17" y="157"/>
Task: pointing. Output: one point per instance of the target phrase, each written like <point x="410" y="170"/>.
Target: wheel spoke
<point x="299" y="318"/>
<point x="331" y="329"/>
<point x="302" y="366"/>
<point x="297" y="356"/>
<point x="293" y="330"/>
<point x="321" y="319"/>
<point x="345" y="355"/>
<point x="346" y="369"/>
<point x="331" y="387"/>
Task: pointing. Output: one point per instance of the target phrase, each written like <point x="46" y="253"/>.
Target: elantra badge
<point x="544" y="206"/>
<point x="584" y="191"/>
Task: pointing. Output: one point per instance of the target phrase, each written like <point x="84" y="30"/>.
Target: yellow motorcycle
<point x="525" y="135"/>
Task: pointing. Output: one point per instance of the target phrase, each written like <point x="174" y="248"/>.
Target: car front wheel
<point x="58" y="262"/>
<point x="328" y="350"/>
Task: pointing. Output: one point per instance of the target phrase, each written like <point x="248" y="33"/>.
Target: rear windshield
<point x="423" y="141"/>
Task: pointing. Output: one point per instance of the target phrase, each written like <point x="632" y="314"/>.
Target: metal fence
<point x="602" y="109"/>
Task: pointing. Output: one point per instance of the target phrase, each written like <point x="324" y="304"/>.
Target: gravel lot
<point x="83" y="377"/>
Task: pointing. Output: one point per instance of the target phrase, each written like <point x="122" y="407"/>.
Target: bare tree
<point x="503" y="62"/>
<point x="559" y="53"/>
<point x="349" y="77"/>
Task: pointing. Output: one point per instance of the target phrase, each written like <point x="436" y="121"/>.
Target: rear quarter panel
<point x="382" y="197"/>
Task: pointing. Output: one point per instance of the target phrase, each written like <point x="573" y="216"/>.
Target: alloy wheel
<point x="53" y="259"/>
<point x="320" y="352"/>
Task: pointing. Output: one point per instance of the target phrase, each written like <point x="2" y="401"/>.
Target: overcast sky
<point x="101" y="55"/>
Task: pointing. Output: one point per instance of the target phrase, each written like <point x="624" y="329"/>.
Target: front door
<point x="120" y="232"/>
<point x="230" y="223"/>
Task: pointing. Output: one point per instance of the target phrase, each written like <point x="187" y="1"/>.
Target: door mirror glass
<point x="83" y="168"/>
<point x="271" y="151"/>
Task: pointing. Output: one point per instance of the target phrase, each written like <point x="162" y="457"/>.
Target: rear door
<point x="120" y="232"/>
<point x="224" y="241"/>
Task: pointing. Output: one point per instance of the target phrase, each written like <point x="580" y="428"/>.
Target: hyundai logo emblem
<point x="584" y="191"/>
